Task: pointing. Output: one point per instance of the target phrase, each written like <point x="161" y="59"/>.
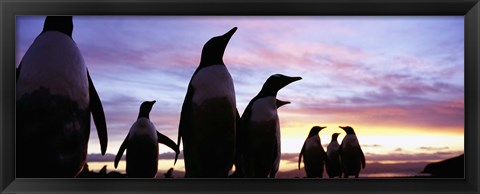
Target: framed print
<point x="238" y="97"/>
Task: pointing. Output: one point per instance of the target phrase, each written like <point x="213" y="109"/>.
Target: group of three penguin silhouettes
<point x="55" y="97"/>
<point x="346" y="158"/>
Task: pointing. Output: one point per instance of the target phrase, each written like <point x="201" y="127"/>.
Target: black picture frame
<point x="470" y="9"/>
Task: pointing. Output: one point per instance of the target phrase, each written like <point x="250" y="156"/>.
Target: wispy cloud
<point x="372" y="145"/>
<point x="433" y="148"/>
<point x="396" y="155"/>
<point x="409" y="157"/>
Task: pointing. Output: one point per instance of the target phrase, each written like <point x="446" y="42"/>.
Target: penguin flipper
<point x="340" y="153"/>
<point x="324" y="155"/>
<point x="238" y="119"/>
<point x="242" y="134"/>
<point x="274" y="170"/>
<point x="185" y="116"/>
<point x="340" y="149"/>
<point x="247" y="113"/>
<point x="168" y="142"/>
<point x="239" y="144"/>
<point x="121" y="150"/>
<point x="362" y="157"/>
<point x="98" y="115"/>
<point x="301" y="154"/>
<point x="18" y="72"/>
<point x="239" y="134"/>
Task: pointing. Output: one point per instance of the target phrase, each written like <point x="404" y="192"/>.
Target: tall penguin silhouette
<point x="208" y="120"/>
<point x="261" y="128"/>
<point x="239" y="171"/>
<point x="333" y="159"/>
<point x="142" y="145"/>
<point x="54" y="98"/>
<point x="351" y="154"/>
<point x="313" y="154"/>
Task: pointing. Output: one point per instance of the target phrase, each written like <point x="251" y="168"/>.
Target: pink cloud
<point x="435" y="115"/>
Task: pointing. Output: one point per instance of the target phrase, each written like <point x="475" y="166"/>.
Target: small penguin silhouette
<point x="313" y="154"/>
<point x="142" y="145"/>
<point x="333" y="159"/>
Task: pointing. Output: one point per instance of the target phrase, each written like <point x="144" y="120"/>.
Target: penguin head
<point x="348" y="129"/>
<point x="315" y="130"/>
<point x="212" y="52"/>
<point x="276" y="82"/>
<point x="62" y="24"/>
<point x="281" y="103"/>
<point x="145" y="109"/>
<point x="335" y="136"/>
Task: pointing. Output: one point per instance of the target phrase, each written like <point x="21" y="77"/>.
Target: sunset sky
<point x="398" y="81"/>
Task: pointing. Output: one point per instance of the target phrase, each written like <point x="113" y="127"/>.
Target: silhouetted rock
<point x="449" y="168"/>
<point x="86" y="173"/>
<point x="169" y="173"/>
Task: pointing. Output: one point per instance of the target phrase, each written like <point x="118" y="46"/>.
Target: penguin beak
<point x="293" y="79"/>
<point x="227" y="36"/>
<point x="152" y="102"/>
<point x="288" y="80"/>
<point x="320" y="129"/>
<point x="230" y="33"/>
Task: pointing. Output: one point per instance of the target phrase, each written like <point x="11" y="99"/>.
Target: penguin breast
<point x="54" y="61"/>
<point x="313" y="143"/>
<point x="264" y="109"/>
<point x="313" y="152"/>
<point x="143" y="127"/>
<point x="350" y="142"/>
<point x="213" y="82"/>
<point x="332" y="150"/>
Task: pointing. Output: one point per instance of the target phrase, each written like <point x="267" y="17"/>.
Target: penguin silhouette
<point x="142" y="145"/>
<point x="55" y="97"/>
<point x="333" y="159"/>
<point x="313" y="154"/>
<point x="351" y="154"/>
<point x="261" y="128"/>
<point x="208" y="121"/>
<point x="239" y="172"/>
